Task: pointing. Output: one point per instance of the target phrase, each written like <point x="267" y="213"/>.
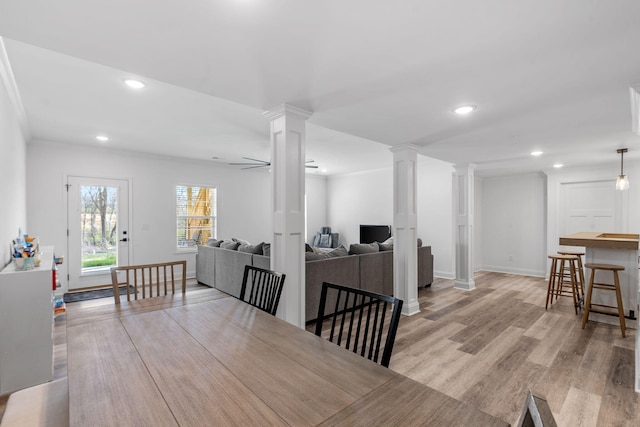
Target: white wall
<point x="13" y="214"/>
<point x="243" y="197"/>
<point x="316" y="190"/>
<point x="477" y="224"/>
<point x="367" y="198"/>
<point x="513" y="229"/>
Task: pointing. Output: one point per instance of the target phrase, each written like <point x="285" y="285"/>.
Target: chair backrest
<point x="536" y="412"/>
<point x="140" y="280"/>
<point x="262" y="288"/>
<point x="361" y="321"/>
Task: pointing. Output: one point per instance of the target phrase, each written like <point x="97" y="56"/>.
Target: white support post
<point x="288" y="189"/>
<point x="463" y="205"/>
<point x="405" y="221"/>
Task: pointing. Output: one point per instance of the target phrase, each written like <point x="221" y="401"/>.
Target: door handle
<point x="124" y="240"/>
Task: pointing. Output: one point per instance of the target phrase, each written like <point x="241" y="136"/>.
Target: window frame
<point x="213" y="217"/>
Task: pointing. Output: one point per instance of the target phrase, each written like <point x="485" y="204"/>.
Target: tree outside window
<point x="195" y="215"/>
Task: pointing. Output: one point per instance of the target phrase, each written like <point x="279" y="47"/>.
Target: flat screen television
<point x="374" y="233"/>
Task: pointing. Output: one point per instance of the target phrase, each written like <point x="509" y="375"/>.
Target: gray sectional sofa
<point x="224" y="269"/>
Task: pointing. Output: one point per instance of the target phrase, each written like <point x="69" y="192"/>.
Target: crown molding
<point x="7" y="78"/>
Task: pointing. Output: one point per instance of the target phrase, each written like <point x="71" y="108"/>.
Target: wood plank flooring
<point x="488" y="347"/>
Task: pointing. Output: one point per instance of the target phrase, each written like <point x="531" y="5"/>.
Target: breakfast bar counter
<point x="611" y="248"/>
<point x="620" y="249"/>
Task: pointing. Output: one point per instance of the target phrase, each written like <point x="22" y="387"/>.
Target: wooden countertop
<point x="598" y="239"/>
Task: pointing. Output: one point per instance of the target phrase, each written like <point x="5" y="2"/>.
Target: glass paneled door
<point x="98" y="236"/>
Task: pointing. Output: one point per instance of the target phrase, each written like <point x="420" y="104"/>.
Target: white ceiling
<point x="545" y="75"/>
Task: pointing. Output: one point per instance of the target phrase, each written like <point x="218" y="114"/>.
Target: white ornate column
<point x="288" y="189"/>
<point x="463" y="211"/>
<point x="405" y="222"/>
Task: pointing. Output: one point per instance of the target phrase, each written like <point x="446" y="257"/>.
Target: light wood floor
<point x="489" y="346"/>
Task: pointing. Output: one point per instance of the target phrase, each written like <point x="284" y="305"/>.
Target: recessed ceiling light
<point x="558" y="165"/>
<point x="464" y="109"/>
<point x="536" y="153"/>
<point x="135" y="84"/>
<point x="102" y="138"/>
<point x="323" y="170"/>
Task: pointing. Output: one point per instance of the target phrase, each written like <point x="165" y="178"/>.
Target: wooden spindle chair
<point x="360" y="321"/>
<point x="140" y="280"/>
<point x="262" y="288"/>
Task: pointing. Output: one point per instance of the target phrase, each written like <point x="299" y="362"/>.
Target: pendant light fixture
<point x="622" y="183"/>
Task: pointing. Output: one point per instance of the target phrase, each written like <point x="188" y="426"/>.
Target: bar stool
<point x="561" y="284"/>
<point x="579" y="267"/>
<point x="588" y="307"/>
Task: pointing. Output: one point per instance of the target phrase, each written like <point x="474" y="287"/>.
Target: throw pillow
<point x="419" y="242"/>
<point x="214" y="242"/>
<point x="252" y="249"/>
<point x="230" y="244"/>
<point x="307" y="248"/>
<point x="312" y="256"/>
<point x="387" y="245"/>
<point x="338" y="252"/>
<point x="242" y="242"/>
<point x="266" y="249"/>
<point x="363" y="248"/>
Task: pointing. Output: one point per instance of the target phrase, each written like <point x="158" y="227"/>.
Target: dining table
<point x="204" y="358"/>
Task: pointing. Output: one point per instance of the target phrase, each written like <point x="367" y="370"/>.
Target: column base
<point x="464" y="285"/>
<point x="411" y="309"/>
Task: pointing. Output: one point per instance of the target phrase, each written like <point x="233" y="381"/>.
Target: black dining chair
<point x="262" y="288"/>
<point x="360" y="321"/>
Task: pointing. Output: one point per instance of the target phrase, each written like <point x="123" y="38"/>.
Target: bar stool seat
<point x="560" y="283"/>
<point x="579" y="268"/>
<point x="601" y="308"/>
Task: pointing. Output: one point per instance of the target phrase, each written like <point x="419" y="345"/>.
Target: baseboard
<point x="518" y="271"/>
<point x="444" y="275"/>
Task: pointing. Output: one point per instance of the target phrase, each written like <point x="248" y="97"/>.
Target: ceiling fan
<point x="263" y="164"/>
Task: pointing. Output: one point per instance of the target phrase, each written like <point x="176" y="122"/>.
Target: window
<point x="195" y="215"/>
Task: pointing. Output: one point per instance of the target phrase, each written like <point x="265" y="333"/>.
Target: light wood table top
<point x="591" y="239"/>
<point x="211" y="359"/>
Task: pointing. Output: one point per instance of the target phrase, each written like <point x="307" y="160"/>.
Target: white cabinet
<point x="26" y="325"/>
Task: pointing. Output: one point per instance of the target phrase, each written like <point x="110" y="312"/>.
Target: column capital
<point x="406" y="147"/>
<point x="286" y="110"/>
<point x="465" y="167"/>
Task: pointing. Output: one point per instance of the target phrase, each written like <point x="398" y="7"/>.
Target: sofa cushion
<point x="230" y="244"/>
<point x="340" y="251"/>
<point x="363" y="248"/>
<point x="252" y="249"/>
<point x="242" y="242"/>
<point x="387" y="245"/>
<point x="214" y="242"/>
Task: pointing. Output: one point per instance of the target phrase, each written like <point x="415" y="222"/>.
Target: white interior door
<point x="97" y="229"/>
<point x="591" y="206"/>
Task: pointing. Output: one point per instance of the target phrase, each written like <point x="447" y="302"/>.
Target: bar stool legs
<point x="589" y="307"/>
<point x="580" y="277"/>
<point x="562" y="284"/>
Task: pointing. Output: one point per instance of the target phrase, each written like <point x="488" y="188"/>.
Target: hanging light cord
<point x="622" y="151"/>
